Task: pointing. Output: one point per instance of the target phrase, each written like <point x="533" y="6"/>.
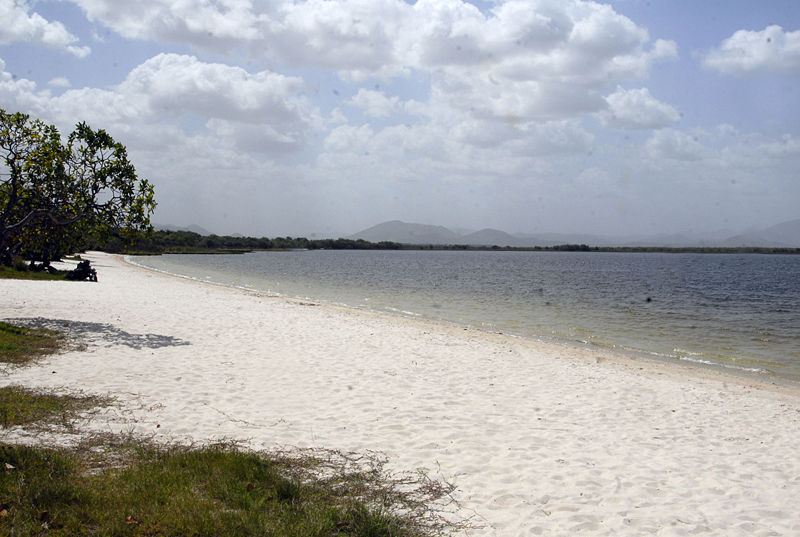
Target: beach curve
<point x="539" y="438"/>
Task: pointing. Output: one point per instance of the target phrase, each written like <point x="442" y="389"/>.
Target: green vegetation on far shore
<point x="188" y="242"/>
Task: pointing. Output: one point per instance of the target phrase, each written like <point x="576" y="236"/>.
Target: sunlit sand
<point x="539" y="438"/>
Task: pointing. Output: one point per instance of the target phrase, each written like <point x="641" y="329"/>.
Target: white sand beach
<point x="540" y="439"/>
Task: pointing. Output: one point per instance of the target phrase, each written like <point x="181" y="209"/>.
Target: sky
<point x="321" y="118"/>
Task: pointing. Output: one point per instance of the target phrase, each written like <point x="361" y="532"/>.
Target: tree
<point x="54" y="195"/>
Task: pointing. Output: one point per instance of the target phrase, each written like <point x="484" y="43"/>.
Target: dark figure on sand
<point x="82" y="272"/>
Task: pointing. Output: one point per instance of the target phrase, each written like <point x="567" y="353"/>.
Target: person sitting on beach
<point x="82" y="272"/>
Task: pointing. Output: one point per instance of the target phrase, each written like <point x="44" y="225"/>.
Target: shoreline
<point x="763" y="378"/>
<point x="539" y="437"/>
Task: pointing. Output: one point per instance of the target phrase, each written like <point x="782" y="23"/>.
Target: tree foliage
<point x="55" y="194"/>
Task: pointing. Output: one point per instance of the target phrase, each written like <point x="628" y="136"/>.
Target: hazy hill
<point x="409" y="233"/>
<point x="404" y="233"/>
<point x="783" y="234"/>
<point x="491" y="237"/>
<point x="786" y="234"/>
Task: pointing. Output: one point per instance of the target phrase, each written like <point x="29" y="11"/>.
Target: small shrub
<point x="20" y="264"/>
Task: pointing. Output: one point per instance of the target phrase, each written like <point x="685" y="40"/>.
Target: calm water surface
<point x="735" y="311"/>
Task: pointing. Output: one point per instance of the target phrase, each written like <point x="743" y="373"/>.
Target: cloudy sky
<point x="324" y="117"/>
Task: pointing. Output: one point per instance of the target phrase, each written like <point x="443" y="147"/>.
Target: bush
<point x="20" y="264"/>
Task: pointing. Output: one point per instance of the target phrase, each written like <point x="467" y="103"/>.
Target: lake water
<point x="740" y="312"/>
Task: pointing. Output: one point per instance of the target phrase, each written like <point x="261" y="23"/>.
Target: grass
<point x="129" y="486"/>
<point x="21" y="271"/>
<point x="11" y="273"/>
<point x="24" y="406"/>
<point x="174" y="490"/>
<point x="19" y="345"/>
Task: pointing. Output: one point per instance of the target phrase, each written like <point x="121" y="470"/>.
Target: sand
<point x="540" y="438"/>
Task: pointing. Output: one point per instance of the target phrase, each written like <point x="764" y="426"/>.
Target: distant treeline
<point x="180" y="242"/>
<point x="613" y="249"/>
<point x="185" y="242"/>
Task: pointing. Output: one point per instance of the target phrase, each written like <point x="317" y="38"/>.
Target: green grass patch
<point x="185" y="491"/>
<point x="20" y="345"/>
<point x="11" y="273"/>
<point x="25" y="406"/>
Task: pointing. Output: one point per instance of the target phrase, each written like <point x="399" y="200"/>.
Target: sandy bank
<point x="540" y="438"/>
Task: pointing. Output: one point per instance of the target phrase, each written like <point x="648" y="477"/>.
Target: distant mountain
<point x="408" y="233"/>
<point x="786" y="234"/>
<point x="397" y="231"/>
<point x="491" y="237"/>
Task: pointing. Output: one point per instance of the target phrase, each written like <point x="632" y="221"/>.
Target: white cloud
<point x="357" y="38"/>
<point x="787" y="147"/>
<point x="587" y="44"/>
<point x="347" y="137"/>
<point x="469" y="152"/>
<point x="336" y="117"/>
<point x="746" y="52"/>
<point x="442" y="33"/>
<point x="671" y="144"/>
<point x="756" y="150"/>
<point x="59" y="82"/>
<point x="529" y="139"/>
<point x="637" y="109"/>
<point x="256" y="138"/>
<point x="17" y="94"/>
<point x="506" y="88"/>
<point x="530" y="61"/>
<point x="566" y="136"/>
<point x="565" y="40"/>
<point x="198" y="22"/>
<point x="21" y="26"/>
<point x="375" y="103"/>
<point x="179" y="84"/>
<point x="262" y="112"/>
<point x="351" y="36"/>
